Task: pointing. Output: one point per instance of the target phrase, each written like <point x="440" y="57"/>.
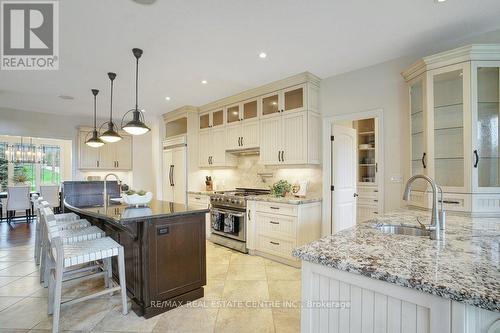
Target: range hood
<point x="244" y="151"/>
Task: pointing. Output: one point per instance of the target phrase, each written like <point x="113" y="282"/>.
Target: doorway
<point x="353" y="170"/>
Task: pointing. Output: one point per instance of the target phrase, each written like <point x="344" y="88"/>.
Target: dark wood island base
<point x="164" y="252"/>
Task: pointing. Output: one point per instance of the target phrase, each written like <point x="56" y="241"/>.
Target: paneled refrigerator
<point x="175" y="170"/>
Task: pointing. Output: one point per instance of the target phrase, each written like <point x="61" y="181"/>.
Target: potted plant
<point x="20" y="178"/>
<point x="281" y="188"/>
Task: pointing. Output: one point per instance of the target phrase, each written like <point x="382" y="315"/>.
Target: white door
<point x="168" y="161"/>
<point x="251" y="135"/>
<point x="294" y="138"/>
<point x="270" y="140"/>
<point x="344" y="178"/>
<point x="203" y="148"/>
<point x="233" y="136"/>
<point x="217" y="146"/>
<point x="178" y="174"/>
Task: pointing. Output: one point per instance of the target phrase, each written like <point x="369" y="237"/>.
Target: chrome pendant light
<point x="136" y="126"/>
<point x="111" y="135"/>
<point x="94" y="141"/>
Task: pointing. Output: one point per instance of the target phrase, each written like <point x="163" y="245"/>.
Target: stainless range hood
<point x="245" y="151"/>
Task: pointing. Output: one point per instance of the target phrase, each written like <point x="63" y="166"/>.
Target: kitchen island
<point x="367" y="280"/>
<point x="164" y="247"/>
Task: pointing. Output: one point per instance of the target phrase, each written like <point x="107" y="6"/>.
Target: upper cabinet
<point x="111" y="156"/>
<point x="454" y="131"/>
<point x="280" y="120"/>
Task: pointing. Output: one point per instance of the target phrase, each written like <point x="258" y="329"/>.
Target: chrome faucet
<point x="105" y="192"/>
<point x="437" y="223"/>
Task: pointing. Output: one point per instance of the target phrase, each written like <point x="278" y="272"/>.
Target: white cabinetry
<point x="201" y="201"/>
<point x="377" y="306"/>
<point x="242" y="130"/>
<point x="212" y="149"/>
<point x="274" y="229"/>
<point x="454" y="112"/>
<point x="111" y="156"/>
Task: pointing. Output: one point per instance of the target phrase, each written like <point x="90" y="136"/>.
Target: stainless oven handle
<point x="223" y="211"/>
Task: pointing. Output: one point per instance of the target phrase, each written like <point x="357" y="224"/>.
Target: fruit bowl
<point x="136" y="199"/>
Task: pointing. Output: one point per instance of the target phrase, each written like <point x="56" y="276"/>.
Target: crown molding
<point x="474" y="52"/>
<point x="183" y="111"/>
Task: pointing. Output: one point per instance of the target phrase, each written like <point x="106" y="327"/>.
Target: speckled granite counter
<point x="201" y="192"/>
<point x="463" y="267"/>
<point x="286" y="200"/>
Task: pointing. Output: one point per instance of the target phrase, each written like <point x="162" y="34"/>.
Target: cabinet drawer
<point x="368" y="192"/>
<point x="198" y="199"/>
<point x="276" y="246"/>
<point x="276" y="225"/>
<point x="453" y="202"/>
<point x="277" y="208"/>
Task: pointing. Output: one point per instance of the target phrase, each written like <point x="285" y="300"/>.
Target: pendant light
<point x="136" y="126"/>
<point x="94" y="141"/>
<point x="111" y="135"/>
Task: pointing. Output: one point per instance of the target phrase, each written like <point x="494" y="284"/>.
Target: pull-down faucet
<point x="437" y="219"/>
<point x="105" y="192"/>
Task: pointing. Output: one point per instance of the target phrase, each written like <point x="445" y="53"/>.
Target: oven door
<point x="228" y="223"/>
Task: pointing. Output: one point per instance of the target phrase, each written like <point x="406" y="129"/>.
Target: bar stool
<point x="63" y="259"/>
<point x="37" y="205"/>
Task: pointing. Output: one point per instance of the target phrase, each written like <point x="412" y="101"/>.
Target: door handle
<point x="279" y="156"/>
<point x="273" y="222"/>
<point x="249" y="215"/>
<point x="477" y="158"/>
<point x="239" y="138"/>
<point x="242" y="141"/>
<point x="172" y="181"/>
<point x="274" y="243"/>
<point x="356" y="195"/>
<point x="423" y="161"/>
<point x="282" y="156"/>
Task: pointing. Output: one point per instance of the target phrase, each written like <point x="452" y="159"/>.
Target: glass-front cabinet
<point x="454" y="110"/>
<point x="292" y="99"/>
<point x="212" y="119"/>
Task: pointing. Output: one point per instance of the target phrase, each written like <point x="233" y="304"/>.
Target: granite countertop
<point x="121" y="213"/>
<point x="201" y="192"/>
<point x="464" y="266"/>
<point x="288" y="199"/>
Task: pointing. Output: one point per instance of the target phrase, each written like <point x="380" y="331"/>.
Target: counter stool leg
<point x="123" y="285"/>
<point x="57" y="296"/>
<point x="107" y="272"/>
<point x="38" y="243"/>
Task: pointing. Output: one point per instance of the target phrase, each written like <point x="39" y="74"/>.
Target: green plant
<point x="281" y="188"/>
<point x="132" y="192"/>
<point x="20" y="178"/>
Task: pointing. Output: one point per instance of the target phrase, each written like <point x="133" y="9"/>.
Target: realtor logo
<point x="29" y="35"/>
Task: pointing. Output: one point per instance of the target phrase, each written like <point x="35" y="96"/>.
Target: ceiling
<point x="185" y="42"/>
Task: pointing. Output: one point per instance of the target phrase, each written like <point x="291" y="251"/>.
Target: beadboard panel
<point x="372" y="305"/>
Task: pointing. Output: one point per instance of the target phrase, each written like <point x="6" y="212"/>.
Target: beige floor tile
<point x="5" y="264"/>
<point x="286" y="320"/>
<point x="218" y="259"/>
<point x="24" y="286"/>
<point x="20" y="269"/>
<point x="79" y="317"/>
<point x="235" y="290"/>
<point x="246" y="272"/>
<point x="187" y="320"/>
<point x="281" y="290"/>
<point x="17" y="256"/>
<point x="214" y="289"/>
<point x="5" y="302"/>
<point x="13" y="330"/>
<point x="244" y="320"/>
<point x="24" y="314"/>
<point x="245" y="259"/>
<point x="4" y="280"/>
<point x="278" y="271"/>
<point x="115" y="321"/>
<point x="217" y="272"/>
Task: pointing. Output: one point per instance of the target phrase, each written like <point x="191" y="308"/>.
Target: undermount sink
<point x="402" y="230"/>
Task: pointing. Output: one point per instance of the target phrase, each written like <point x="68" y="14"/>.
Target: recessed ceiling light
<point x="439" y="1"/>
<point x="67" y="97"/>
<point x="204" y="81"/>
<point x="262" y="55"/>
<point x="167" y="98"/>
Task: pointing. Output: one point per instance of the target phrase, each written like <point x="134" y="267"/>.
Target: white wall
<point x="382" y="87"/>
<point x="44" y="125"/>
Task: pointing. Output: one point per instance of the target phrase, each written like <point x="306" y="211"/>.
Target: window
<point x="50" y="168"/>
<point x="28" y="170"/>
<point x="4" y="168"/>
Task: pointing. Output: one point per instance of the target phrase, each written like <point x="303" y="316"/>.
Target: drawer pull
<point x="451" y="202"/>
<point x="375" y="212"/>
<point x="273" y="222"/>
<point x="274" y="243"/>
<point x="197" y="198"/>
<point x="375" y="200"/>
<point x="274" y="207"/>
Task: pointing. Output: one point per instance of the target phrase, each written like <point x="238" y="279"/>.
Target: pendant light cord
<point x="111" y="104"/>
<point x="95" y="115"/>
<point x="136" y="83"/>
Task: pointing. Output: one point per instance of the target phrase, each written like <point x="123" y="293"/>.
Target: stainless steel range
<point x="228" y="217"/>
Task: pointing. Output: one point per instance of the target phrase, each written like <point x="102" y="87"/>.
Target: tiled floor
<point x="237" y="289"/>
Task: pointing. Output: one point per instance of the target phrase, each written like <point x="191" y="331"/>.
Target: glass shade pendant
<point x="111" y="135"/>
<point x="136" y="126"/>
<point x="94" y="141"/>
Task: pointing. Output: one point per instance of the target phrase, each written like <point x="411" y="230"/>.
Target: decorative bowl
<point x="137" y="200"/>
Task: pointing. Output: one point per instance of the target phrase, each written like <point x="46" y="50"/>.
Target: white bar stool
<point x="65" y="257"/>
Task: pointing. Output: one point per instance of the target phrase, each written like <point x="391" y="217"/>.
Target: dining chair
<point x="18" y="198"/>
<point x="50" y="193"/>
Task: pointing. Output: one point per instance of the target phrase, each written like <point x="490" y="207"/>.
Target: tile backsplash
<point x="246" y="174"/>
